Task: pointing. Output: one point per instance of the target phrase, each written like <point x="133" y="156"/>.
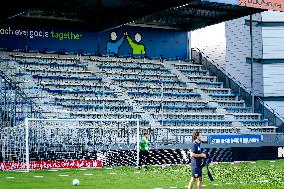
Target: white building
<point x="228" y="44"/>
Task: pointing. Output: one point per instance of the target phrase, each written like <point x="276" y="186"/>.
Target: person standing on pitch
<point x="144" y="150"/>
<point x="196" y="160"/>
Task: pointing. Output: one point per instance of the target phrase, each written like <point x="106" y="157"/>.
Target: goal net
<point x="70" y="143"/>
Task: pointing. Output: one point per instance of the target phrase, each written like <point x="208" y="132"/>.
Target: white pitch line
<point x="38" y="176"/>
<point x="241" y="182"/>
<point x="173" y="187"/>
<point x="272" y="165"/>
<point x="253" y="162"/>
<point x="109" y="168"/>
<point x="203" y="185"/>
<point x="63" y="175"/>
<point x="264" y="181"/>
<point x="158" y="188"/>
<point x="137" y="172"/>
<point x="82" y="169"/>
<point x="113" y="173"/>
<point x="272" y="161"/>
<point x="216" y="184"/>
<point x="53" y="170"/>
<point x="10" y="177"/>
<point x="88" y="174"/>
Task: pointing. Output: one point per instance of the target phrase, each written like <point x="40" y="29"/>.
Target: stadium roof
<point x="105" y="14"/>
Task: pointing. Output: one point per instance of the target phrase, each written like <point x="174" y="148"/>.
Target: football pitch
<point x="249" y="175"/>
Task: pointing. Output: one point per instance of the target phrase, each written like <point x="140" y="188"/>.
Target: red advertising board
<point x="264" y="4"/>
<point x="37" y="165"/>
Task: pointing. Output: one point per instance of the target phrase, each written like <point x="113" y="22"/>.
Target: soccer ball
<point x="76" y="182"/>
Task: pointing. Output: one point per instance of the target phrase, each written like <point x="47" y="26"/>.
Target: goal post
<point x="78" y="143"/>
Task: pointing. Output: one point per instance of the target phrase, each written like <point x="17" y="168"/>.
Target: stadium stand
<point x="162" y="93"/>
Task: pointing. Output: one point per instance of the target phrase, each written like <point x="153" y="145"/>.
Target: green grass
<point x="250" y="174"/>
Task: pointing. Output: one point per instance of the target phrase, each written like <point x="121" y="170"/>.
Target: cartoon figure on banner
<point x="114" y="44"/>
<point x="137" y="47"/>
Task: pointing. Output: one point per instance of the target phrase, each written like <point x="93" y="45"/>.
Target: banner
<point x="64" y="164"/>
<point x="237" y="139"/>
<point x="263" y="4"/>
<point x="122" y="41"/>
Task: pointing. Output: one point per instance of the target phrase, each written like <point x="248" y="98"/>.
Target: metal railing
<point x="15" y="105"/>
<point x="244" y="93"/>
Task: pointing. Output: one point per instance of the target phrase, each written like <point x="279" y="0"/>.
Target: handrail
<point x="12" y="84"/>
<point x="259" y="104"/>
<point x="9" y="109"/>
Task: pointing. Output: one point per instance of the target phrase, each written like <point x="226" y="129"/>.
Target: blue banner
<point x="237" y="139"/>
<point x="127" y="40"/>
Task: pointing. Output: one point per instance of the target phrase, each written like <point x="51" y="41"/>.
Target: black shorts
<point x="196" y="171"/>
<point x="144" y="158"/>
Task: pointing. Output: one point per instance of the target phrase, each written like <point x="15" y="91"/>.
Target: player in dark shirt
<point x="196" y="160"/>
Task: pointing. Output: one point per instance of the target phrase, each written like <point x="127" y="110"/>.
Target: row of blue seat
<point x="192" y="121"/>
<point x="237" y="108"/>
<point x="146" y="107"/>
<point x="179" y="107"/>
<point x="106" y="121"/>
<point x="133" y="67"/>
<point x="210" y="121"/>
<point x="255" y="121"/>
<point x="53" y="64"/>
<point x="192" y="71"/>
<point x="79" y="91"/>
<point x="112" y="92"/>
<point x="15" y="103"/>
<point x="151" y="87"/>
<point x="5" y="59"/>
<point x="223" y="95"/>
<point x="82" y="52"/>
<point x="208" y="83"/>
<point x="172" y="120"/>
<point x="165" y="93"/>
<point x="96" y="106"/>
<point x="68" y="77"/>
<point x="53" y="103"/>
<point x="148" y="80"/>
